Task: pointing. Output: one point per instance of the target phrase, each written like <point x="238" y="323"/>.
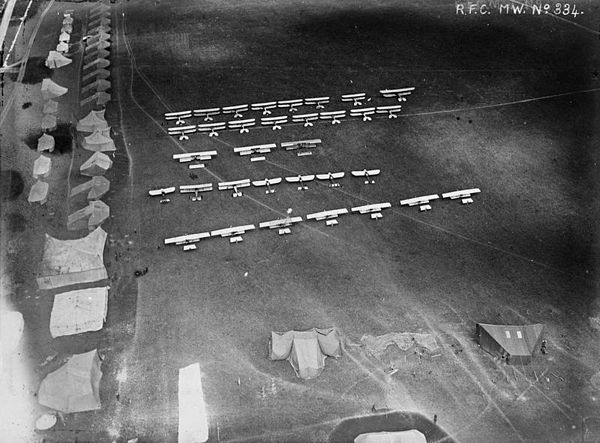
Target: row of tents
<point x="96" y="77"/>
<point x="75" y="386"/>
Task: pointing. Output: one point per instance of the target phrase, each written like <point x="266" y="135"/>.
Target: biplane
<point x="212" y="128"/>
<point x="391" y="111"/>
<point x="236" y="110"/>
<point x="334" y="116"/>
<point x="331" y="176"/>
<point x="182" y="131"/>
<point x="267" y="182"/>
<point x="292" y="105"/>
<point x="235" y="185"/>
<point x="357" y="99"/>
<point x="300" y="144"/>
<point x="422" y="202"/>
<point x="242" y="125"/>
<point x="282" y="225"/>
<point x="330" y="216"/>
<point x="301" y="180"/>
<point x="255" y="149"/>
<point x="363" y="112"/>
<point x="317" y="102"/>
<point x="374" y="210"/>
<point x="195" y="156"/>
<point x="178" y="116"/>
<point x="400" y="94"/>
<point x="264" y="107"/>
<point x="274" y="122"/>
<point x="206" y="113"/>
<point x="306" y="118"/>
<point x="234" y="232"/>
<point x="162" y="192"/>
<point x="188" y="241"/>
<point x="367" y="174"/>
<point x="465" y="195"/>
<point x="196" y="190"/>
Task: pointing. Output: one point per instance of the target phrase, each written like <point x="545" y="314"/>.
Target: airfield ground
<point x="524" y="252"/>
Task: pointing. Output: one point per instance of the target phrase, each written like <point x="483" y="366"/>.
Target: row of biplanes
<point x="284" y="225"/>
<point x="182" y="130"/>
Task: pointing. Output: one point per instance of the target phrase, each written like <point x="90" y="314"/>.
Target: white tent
<point x="93" y="121"/>
<point x="101" y="35"/>
<point x="67" y="27"/>
<point x="97" y="164"/>
<point x="94" y="75"/>
<point x="97" y="53"/>
<point x="99" y="141"/>
<point x="410" y="436"/>
<point x="41" y="166"/>
<point x="48" y="122"/>
<point x="98" y="99"/>
<point x="45" y="143"/>
<point x="89" y="217"/>
<point x="99" y="44"/>
<point x="50" y="107"/>
<point x="56" y="60"/>
<point x="64" y="37"/>
<point x="97" y="85"/>
<point x="97" y="63"/>
<point x="100" y="28"/>
<point x="68" y="20"/>
<point x="305" y="350"/>
<point x="97" y="187"/>
<point x="51" y="89"/>
<point x="69" y="262"/>
<point x="62" y="47"/>
<point x="193" y="419"/>
<point x="38" y="193"/>
<point x="75" y="312"/>
<point x="75" y="386"/>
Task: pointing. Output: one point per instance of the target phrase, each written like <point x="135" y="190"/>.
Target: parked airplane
<point x="356" y="98"/>
<point x="306" y="118"/>
<point x="179" y="116"/>
<point x="293" y="105"/>
<point x="329" y="216"/>
<point x="318" y="102"/>
<point x="274" y="122"/>
<point x="182" y="131"/>
<point x="331" y="176"/>
<point x="264" y="107"/>
<point x="374" y="210"/>
<point x="198" y="156"/>
<point x="212" y="128"/>
<point x="422" y="202"/>
<point x="162" y="192"/>
<point x="256" y="149"/>
<point x="391" y="111"/>
<point x="299" y="144"/>
<point x="400" y="94"/>
<point x="187" y="240"/>
<point x="334" y="116"/>
<point x="301" y="179"/>
<point x="267" y="182"/>
<point x="242" y="125"/>
<point x="283" y="225"/>
<point x="236" y="110"/>
<point x="235" y="185"/>
<point x="235" y="233"/>
<point x="363" y="112"/>
<point x="206" y="113"/>
<point x="196" y="190"/>
<point x="464" y="195"/>
<point x="367" y="173"/>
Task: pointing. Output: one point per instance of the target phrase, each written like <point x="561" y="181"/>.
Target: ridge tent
<point x="38" y="193"/>
<point x="68" y="20"/>
<point x="99" y="73"/>
<point x="519" y="342"/>
<point x="41" y="166"/>
<point x="97" y="164"/>
<point x="98" y="98"/>
<point x="48" y="122"/>
<point x="75" y="312"/>
<point x="64" y="37"/>
<point x="50" y="107"/>
<point x="97" y="186"/>
<point x="62" y="47"/>
<point x="51" y="89"/>
<point x="89" y="217"/>
<point x="75" y="386"/>
<point x="305" y="350"/>
<point x="69" y="262"/>
<point x="56" y="60"/>
<point x="410" y="436"/>
<point x="45" y="143"/>
<point x="94" y="120"/>
<point x="99" y="141"/>
<point x="97" y="85"/>
<point x="67" y="27"/>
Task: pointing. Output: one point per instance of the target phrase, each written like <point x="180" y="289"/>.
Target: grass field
<point x="525" y="252"/>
